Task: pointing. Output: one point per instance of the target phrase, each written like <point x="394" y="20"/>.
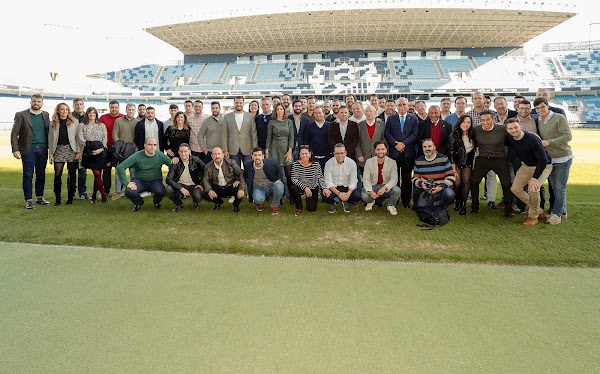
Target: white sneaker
<point x="553" y="219"/>
<point x="232" y="199"/>
<point x="392" y="210"/>
<point x="144" y="194"/>
<point x="369" y="206"/>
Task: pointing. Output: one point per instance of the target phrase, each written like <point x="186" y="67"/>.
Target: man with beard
<point x="433" y="167"/>
<point x="223" y="178"/>
<point x="335" y="110"/>
<point x="239" y="133"/>
<point x="300" y="122"/>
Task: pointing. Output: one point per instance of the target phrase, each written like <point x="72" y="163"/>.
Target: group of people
<point x="392" y="153"/>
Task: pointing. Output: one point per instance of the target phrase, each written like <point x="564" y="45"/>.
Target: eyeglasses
<point x="340" y="153"/>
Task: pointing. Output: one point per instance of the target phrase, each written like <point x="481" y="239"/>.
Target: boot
<point x="462" y="208"/>
<point x="457" y="203"/>
<point x="71" y="195"/>
<point x="58" y="200"/>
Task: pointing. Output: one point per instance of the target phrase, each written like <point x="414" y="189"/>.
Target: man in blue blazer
<point x="300" y="122"/>
<point x="402" y="133"/>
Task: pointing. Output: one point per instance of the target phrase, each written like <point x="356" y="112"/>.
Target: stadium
<point x="258" y="52"/>
<point x="98" y="288"/>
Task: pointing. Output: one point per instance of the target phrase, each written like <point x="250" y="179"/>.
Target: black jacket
<point x="121" y="151"/>
<point x="445" y="147"/>
<point x="196" y="168"/>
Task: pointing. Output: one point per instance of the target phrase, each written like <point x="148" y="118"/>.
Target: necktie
<point x="402" y="123"/>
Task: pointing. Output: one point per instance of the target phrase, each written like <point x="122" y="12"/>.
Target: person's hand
<point x="77" y="155"/>
<point x="327" y="192"/>
<point x="240" y="194"/>
<point x="266" y="153"/>
<point x="226" y="154"/>
<point x="545" y="143"/>
<point x="51" y="159"/>
<point x="343" y="196"/>
<point x="212" y="194"/>
<point x="170" y="153"/>
<point x="400" y="146"/>
<point x="288" y="156"/>
<point x="437" y="190"/>
<point x="184" y="192"/>
<point x="373" y="195"/>
<point x="132" y="186"/>
<point x="236" y="183"/>
<point x="175" y="160"/>
<point x="307" y="192"/>
<point x="200" y="187"/>
<point x="361" y="159"/>
<point x="17" y="155"/>
<point x="533" y="185"/>
<point x="381" y="191"/>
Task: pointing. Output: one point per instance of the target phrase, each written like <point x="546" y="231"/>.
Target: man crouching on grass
<point x="147" y="165"/>
<point x="185" y="178"/>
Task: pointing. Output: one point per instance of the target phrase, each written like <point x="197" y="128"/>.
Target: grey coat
<point x="366" y="146"/>
<point x="233" y="139"/>
<point x="71" y="132"/>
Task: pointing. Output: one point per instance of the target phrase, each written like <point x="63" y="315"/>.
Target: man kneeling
<point x="185" y="178"/>
<point x="223" y="178"/>
<point x="264" y="177"/>
<point x="380" y="180"/>
<point x="147" y="165"/>
<point x="433" y="173"/>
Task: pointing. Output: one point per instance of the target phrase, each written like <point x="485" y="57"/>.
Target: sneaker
<point x="542" y="216"/>
<point x="232" y="199"/>
<point x="298" y="212"/>
<point x="136" y="208"/>
<point x="369" y="206"/>
<point x="157" y="205"/>
<point x="347" y="206"/>
<point x="492" y="205"/>
<point x="196" y="205"/>
<point x="530" y="221"/>
<point x="84" y="196"/>
<point x="117" y="196"/>
<point x="260" y="207"/>
<point x="42" y="201"/>
<point x="553" y="219"/>
<point x="178" y="208"/>
<point x="331" y="208"/>
<point x="29" y="204"/>
<point x="563" y="218"/>
<point x="392" y="210"/>
<point x="274" y="210"/>
<point x="143" y="194"/>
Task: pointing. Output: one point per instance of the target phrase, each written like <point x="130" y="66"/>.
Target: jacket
<point x="231" y="173"/>
<point x="394" y="133"/>
<point x="272" y="170"/>
<point x="122" y="150"/>
<point x="366" y="145"/>
<point x="140" y="134"/>
<point x="389" y="172"/>
<point x="304" y="121"/>
<point x="71" y="132"/>
<point x="235" y="140"/>
<point x="350" y="140"/>
<point x="22" y="131"/>
<point x="196" y="168"/>
<point x="445" y="147"/>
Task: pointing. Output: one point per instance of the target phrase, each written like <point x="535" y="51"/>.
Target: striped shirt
<point x="308" y="176"/>
<point x="439" y="169"/>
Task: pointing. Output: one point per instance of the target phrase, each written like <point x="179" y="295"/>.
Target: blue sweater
<point x="262" y="129"/>
<point x="316" y="138"/>
<point x="530" y="151"/>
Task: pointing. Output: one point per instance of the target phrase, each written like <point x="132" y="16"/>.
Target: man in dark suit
<point x="401" y="133"/>
<point x="436" y="129"/>
<point x="300" y="122"/>
<point x="29" y="142"/>
<point x="545" y="93"/>
<point x="148" y="127"/>
<point x="344" y="131"/>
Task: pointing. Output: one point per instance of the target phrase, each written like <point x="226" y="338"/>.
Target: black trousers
<point x="405" y="169"/>
<point x="311" y="202"/>
<point x="176" y="195"/>
<point x="221" y="192"/>
<point x="500" y="166"/>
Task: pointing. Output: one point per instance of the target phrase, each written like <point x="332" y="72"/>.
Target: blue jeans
<point x="444" y="197"/>
<point x="558" y="179"/>
<point x="392" y="195"/>
<point x="155" y="186"/>
<point x="260" y="193"/>
<point x="34" y="161"/>
<point x="240" y="158"/>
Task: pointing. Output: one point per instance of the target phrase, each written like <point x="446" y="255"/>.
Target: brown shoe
<point x="501" y="205"/>
<point x="530" y="221"/>
<point x="563" y="218"/>
<point x="542" y="216"/>
<point x="115" y="196"/>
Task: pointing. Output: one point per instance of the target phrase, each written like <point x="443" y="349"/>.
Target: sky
<point x="99" y="36"/>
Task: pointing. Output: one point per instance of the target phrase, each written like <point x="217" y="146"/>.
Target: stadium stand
<point x="211" y="73"/>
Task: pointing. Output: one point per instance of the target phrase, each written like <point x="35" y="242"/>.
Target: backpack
<point x="432" y="216"/>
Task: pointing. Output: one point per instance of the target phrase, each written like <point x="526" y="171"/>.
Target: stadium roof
<point x="371" y="26"/>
